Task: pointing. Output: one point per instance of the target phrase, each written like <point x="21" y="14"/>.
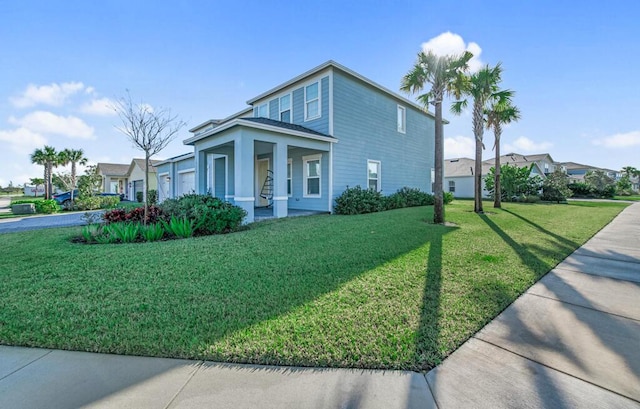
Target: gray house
<point x="302" y="143"/>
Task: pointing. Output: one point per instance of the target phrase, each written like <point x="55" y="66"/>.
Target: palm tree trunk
<point x="497" y="193"/>
<point x="438" y="202"/>
<point x="73" y="179"/>
<point x="49" y="180"/>
<point x="478" y="130"/>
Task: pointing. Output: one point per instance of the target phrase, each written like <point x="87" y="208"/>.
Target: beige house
<point x="127" y="179"/>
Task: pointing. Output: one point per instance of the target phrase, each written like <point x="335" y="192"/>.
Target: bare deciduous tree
<point x="149" y="129"/>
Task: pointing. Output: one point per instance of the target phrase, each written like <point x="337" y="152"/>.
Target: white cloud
<point x="452" y="44"/>
<point x="458" y="147"/>
<point x="49" y="123"/>
<point x="101" y="106"/>
<point x="22" y="140"/>
<point x="621" y="140"/>
<point x="526" y="145"/>
<point x="52" y="94"/>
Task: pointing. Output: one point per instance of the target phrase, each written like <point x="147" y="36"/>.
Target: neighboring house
<point x="577" y="171"/>
<point x="176" y="176"/>
<point x="136" y="177"/>
<point x="114" y="177"/>
<point x="458" y="172"/>
<point x="302" y="143"/>
<point x="458" y="177"/>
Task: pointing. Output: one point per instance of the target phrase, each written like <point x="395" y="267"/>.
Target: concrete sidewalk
<point x="572" y="340"/>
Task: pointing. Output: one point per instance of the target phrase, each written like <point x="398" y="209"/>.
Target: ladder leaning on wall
<point x="267" y="189"/>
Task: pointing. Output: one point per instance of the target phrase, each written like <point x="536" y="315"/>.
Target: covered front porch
<point x="270" y="170"/>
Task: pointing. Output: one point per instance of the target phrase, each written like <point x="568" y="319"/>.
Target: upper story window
<point x="373" y="175"/>
<point x="312" y="101"/>
<point x="285" y="108"/>
<point x="402" y="119"/>
<point x="261" y="111"/>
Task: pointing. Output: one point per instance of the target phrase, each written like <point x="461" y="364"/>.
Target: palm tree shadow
<point x="559" y="238"/>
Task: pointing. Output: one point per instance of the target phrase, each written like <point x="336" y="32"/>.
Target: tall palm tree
<point x="49" y="158"/>
<point x="482" y="86"/>
<point x="442" y="73"/>
<point x="500" y="112"/>
<point x="75" y="157"/>
<point x="36" y="182"/>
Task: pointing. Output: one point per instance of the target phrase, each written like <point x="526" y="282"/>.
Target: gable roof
<point x="113" y="169"/>
<point x="140" y="163"/>
<point x="334" y="65"/>
<point x="524" y="160"/>
<point x="174" y="159"/>
<point x="266" y="125"/>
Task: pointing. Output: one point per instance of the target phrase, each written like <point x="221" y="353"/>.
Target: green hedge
<point x="356" y="200"/>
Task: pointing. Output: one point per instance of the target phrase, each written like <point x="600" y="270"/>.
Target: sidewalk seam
<point x="554" y="369"/>
<point x="582" y="306"/>
<point x="424" y="375"/>
<point x="570" y="270"/>
<point x="179" y="391"/>
<point x="600" y="257"/>
<point x="25" y="365"/>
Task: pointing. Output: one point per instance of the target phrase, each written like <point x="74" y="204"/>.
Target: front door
<point x="262" y="166"/>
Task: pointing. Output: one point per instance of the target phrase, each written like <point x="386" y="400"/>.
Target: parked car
<point x="64" y="199"/>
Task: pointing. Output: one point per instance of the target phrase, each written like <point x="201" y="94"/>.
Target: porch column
<point x="280" y="198"/>
<point x="243" y="169"/>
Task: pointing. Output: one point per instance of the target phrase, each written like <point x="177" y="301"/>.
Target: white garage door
<point x="186" y="183"/>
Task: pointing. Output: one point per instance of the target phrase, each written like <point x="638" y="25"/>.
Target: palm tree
<point x="500" y="112"/>
<point x="442" y="72"/>
<point x="49" y="158"/>
<point x="37" y="182"/>
<point x="74" y="157"/>
<point x="482" y="86"/>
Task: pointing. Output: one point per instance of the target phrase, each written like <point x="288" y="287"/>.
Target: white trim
<point x="330" y="178"/>
<point x="244" y="199"/>
<point x="280" y="198"/>
<point x="228" y="196"/>
<point x="280" y="111"/>
<point x="306" y="115"/>
<point x="402" y="130"/>
<point x="331" y="103"/>
<point x="163" y="174"/>
<point x="379" y="178"/>
<point x="257" y="125"/>
<point x="290" y="163"/>
<point x="305" y="176"/>
<point x="187" y="170"/>
<point x="175" y="159"/>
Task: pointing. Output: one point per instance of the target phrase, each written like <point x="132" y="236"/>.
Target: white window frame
<point x="306" y="102"/>
<point x="305" y="170"/>
<point x="289" y="177"/>
<point x="256" y="110"/>
<point x="452" y="186"/>
<point x="280" y="111"/>
<point x="401" y="119"/>
<point x="379" y="178"/>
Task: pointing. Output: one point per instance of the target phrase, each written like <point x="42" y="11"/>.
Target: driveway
<point x="43" y="222"/>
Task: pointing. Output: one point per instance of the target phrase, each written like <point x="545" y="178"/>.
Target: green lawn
<point x="384" y="290"/>
<point x="633" y="197"/>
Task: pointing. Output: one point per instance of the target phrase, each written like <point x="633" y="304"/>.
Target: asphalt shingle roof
<point x="285" y="125"/>
<point x="114" y="169"/>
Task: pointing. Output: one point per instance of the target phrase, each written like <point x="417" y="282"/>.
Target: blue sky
<point x="573" y="67"/>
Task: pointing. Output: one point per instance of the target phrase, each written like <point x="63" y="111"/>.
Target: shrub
<point x="448" y="197"/>
<point x="410" y="197"/>
<point x="46" y="206"/>
<point x="109" y="202"/>
<point x="581" y="189"/>
<point x="139" y="197"/>
<point x="357" y="200"/>
<point x="152" y="232"/>
<point x="88" y="203"/>
<point x="135" y="214"/>
<point x="554" y="187"/>
<point x="179" y="227"/>
<point x="209" y="214"/>
<point x="152" y="197"/>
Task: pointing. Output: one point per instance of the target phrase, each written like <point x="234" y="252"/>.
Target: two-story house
<point x="302" y="143"/>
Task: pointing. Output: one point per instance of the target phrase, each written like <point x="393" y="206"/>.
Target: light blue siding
<point x="297" y="199"/>
<point x="320" y="124"/>
<point x="274" y="108"/>
<point x="365" y="123"/>
<point x="185" y="164"/>
<point x="220" y="177"/>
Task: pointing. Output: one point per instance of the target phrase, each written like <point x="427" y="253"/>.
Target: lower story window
<point x="452" y="186"/>
<point x="312" y="175"/>
<point x="373" y="175"/>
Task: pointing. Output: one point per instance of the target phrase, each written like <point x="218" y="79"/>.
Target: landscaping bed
<point x="381" y="290"/>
